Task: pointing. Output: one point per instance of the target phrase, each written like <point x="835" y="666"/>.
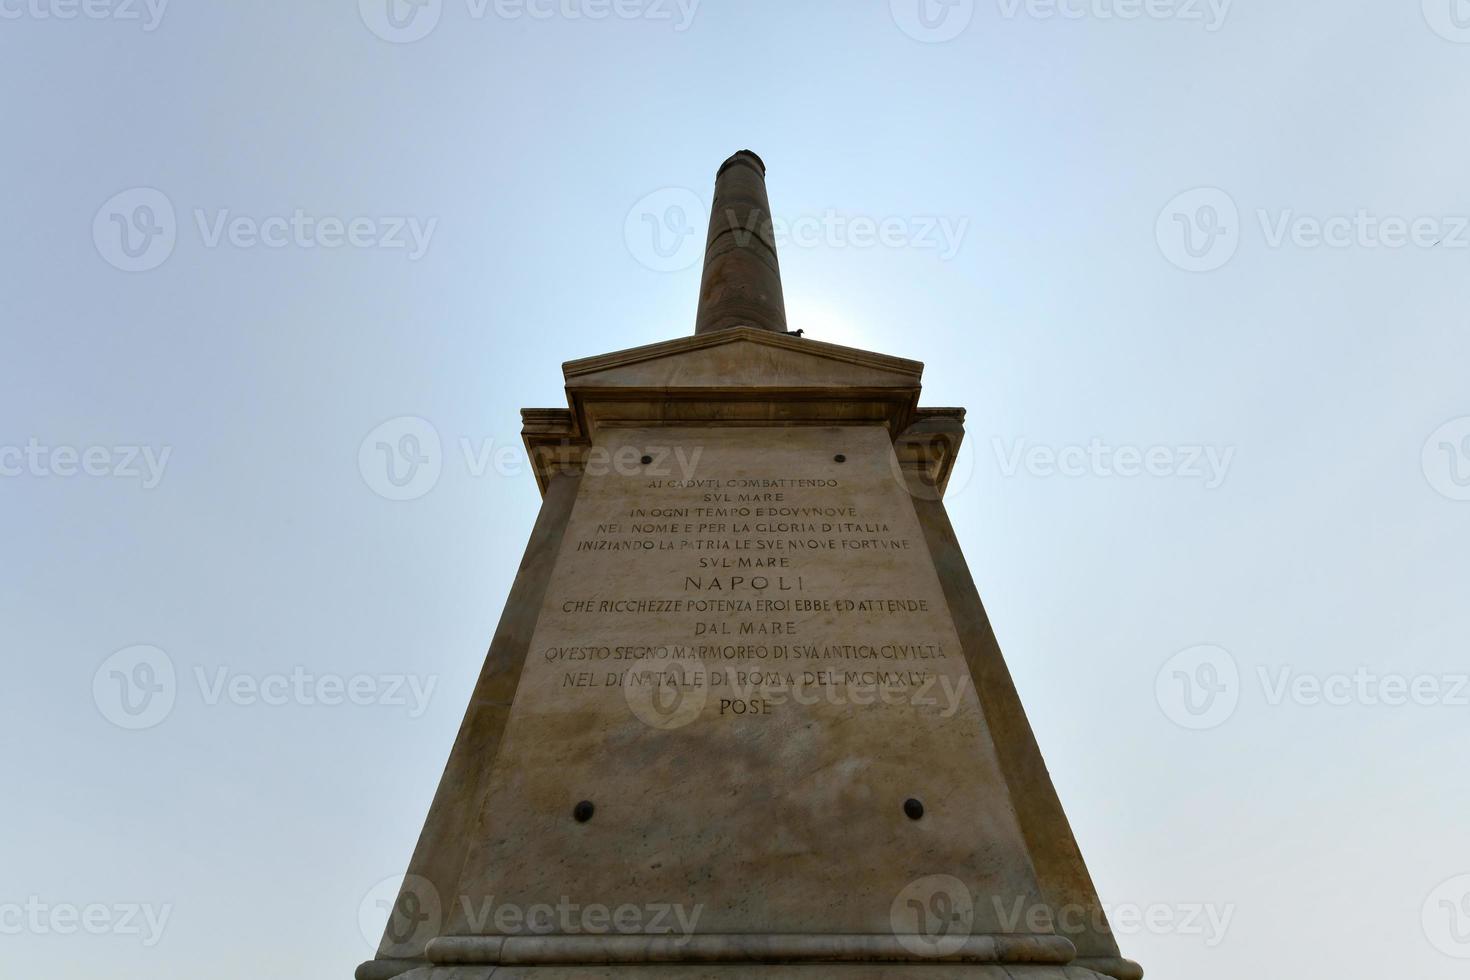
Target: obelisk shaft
<point x="742" y="279"/>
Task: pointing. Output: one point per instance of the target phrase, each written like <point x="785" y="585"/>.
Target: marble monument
<point x="744" y="713"/>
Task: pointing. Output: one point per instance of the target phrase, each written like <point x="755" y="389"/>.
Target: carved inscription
<point x="758" y="584"/>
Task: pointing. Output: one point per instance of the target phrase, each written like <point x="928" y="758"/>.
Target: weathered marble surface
<point x="449" y="827"/>
<point x="1053" y="848"/>
<point x="785" y="819"/>
<point x="766" y="817"/>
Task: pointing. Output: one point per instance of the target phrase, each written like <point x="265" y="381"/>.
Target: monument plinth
<point x="744" y="713"/>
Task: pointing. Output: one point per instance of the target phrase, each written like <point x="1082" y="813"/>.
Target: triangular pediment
<point x="743" y="357"/>
<point x="741" y="376"/>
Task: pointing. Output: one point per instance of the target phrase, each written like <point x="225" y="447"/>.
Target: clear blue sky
<point x="1325" y="371"/>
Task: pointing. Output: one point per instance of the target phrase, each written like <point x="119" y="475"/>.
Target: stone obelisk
<point x="744" y="713"/>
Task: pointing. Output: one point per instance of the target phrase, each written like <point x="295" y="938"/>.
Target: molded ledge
<point x="742" y="948"/>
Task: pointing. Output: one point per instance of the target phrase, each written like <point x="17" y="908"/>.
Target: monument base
<point x="771" y="971"/>
<point x="854" y="957"/>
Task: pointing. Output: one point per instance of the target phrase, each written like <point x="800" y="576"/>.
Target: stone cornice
<point x="744" y="377"/>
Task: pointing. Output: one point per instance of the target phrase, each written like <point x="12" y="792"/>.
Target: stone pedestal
<point x="744" y="713"/>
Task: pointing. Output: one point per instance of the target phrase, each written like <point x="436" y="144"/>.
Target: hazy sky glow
<point x="1198" y="271"/>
